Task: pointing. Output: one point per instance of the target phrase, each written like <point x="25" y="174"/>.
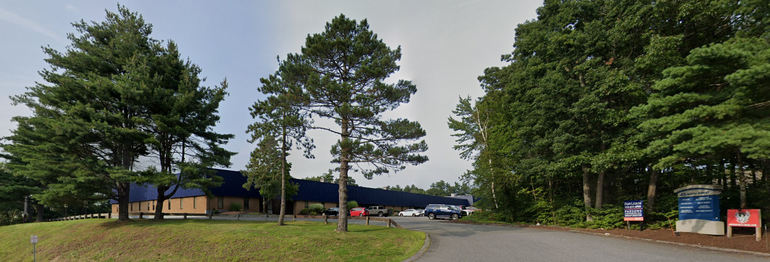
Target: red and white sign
<point x="743" y="218"/>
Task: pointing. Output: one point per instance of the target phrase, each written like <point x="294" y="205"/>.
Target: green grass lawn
<point x="205" y="240"/>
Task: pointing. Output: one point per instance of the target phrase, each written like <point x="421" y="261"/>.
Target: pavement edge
<point x="424" y="248"/>
<point x="677" y="243"/>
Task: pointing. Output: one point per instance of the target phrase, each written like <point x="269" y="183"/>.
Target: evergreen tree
<point x="280" y="116"/>
<point x="341" y="72"/>
<point x="92" y="104"/>
<point x="181" y="116"/>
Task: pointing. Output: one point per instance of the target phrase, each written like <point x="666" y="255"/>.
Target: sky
<point x="445" y="46"/>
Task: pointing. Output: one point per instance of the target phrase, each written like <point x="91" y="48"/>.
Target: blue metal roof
<point x="233" y="181"/>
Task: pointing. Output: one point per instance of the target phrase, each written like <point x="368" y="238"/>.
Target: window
<point x="307" y="204"/>
<point x="131" y="207"/>
<point x="148" y="205"/>
<point x="181" y="206"/>
<point x="245" y="203"/>
<point x="153" y="205"/>
<point x="194" y="207"/>
<point x="220" y="202"/>
<point x="169" y="204"/>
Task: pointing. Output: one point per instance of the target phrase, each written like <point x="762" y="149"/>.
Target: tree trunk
<point x="550" y="199"/>
<point x="283" y="176"/>
<point x="39" y="209"/>
<point x="123" y="198"/>
<point x="159" y="207"/>
<point x="492" y="175"/>
<point x="733" y="177"/>
<point x="722" y="173"/>
<point x="742" y="179"/>
<point x="587" y="192"/>
<point x="599" y="190"/>
<point x="342" y="221"/>
<point x="652" y="188"/>
<point x="342" y="218"/>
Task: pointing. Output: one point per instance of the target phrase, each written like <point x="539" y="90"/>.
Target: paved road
<point x="461" y="242"/>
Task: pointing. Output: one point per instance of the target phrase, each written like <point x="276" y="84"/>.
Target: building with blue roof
<point x="231" y="192"/>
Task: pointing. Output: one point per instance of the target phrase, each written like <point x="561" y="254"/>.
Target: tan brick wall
<point x="328" y="205"/>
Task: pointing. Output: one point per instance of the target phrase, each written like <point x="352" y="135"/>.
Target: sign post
<point x="744" y="218"/>
<point x="33" y="240"/>
<point x="633" y="211"/>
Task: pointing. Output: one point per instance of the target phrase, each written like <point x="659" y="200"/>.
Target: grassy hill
<point x="205" y="240"/>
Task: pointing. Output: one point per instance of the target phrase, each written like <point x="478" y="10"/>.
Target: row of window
<point x="151" y="208"/>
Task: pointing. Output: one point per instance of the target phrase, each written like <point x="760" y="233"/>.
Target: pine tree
<point x="281" y="121"/>
<point x="341" y="72"/>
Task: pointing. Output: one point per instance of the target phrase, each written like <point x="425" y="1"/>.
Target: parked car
<point x="470" y="209"/>
<point x="379" y="211"/>
<point x="433" y="211"/>
<point x="359" y="211"/>
<point x="411" y="212"/>
<point x="334" y="211"/>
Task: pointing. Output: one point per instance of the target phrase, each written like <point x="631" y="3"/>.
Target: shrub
<point x="352" y="204"/>
<point x="235" y="207"/>
<point x="313" y="213"/>
<point x="608" y="217"/>
<point x="317" y="208"/>
<point x="304" y="211"/>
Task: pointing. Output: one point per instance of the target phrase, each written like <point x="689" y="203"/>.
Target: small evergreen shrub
<point x="352" y="204"/>
<point x="317" y="208"/>
<point x="235" y="207"/>
<point x="304" y="211"/>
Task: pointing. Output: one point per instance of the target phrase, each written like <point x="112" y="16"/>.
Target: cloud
<point x="70" y="7"/>
<point x="32" y="25"/>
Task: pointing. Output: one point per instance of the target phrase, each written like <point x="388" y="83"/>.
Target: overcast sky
<point x="446" y="45"/>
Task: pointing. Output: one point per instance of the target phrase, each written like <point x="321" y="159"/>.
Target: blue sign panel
<point x="633" y="210"/>
<point x="699" y="207"/>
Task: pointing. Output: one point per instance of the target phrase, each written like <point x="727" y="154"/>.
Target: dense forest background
<point x="608" y="101"/>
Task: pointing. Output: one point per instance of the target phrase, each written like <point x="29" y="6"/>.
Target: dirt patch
<point x="743" y="238"/>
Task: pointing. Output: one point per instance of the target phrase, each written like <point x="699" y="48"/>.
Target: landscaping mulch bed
<point x="743" y="238"/>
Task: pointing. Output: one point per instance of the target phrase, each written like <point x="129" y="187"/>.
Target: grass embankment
<point x="205" y="240"/>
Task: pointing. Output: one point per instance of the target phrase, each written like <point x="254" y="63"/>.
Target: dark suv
<point x="442" y="210"/>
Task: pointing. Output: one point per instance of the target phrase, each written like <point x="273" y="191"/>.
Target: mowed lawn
<point x="205" y="240"/>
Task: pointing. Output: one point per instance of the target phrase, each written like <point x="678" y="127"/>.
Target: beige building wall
<point x="254" y="205"/>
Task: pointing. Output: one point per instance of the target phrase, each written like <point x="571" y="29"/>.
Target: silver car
<point x="411" y="212"/>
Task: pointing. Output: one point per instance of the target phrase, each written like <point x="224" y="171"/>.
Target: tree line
<point x="607" y="101"/>
<point x="118" y="99"/>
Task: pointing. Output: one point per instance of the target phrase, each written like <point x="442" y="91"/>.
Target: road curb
<point x="677" y="243"/>
<point x="422" y="250"/>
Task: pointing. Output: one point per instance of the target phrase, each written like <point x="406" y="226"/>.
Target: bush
<point x="608" y="217"/>
<point x="235" y="207"/>
<point x="313" y="213"/>
<point x="305" y="211"/>
<point x="317" y="208"/>
<point x="352" y="204"/>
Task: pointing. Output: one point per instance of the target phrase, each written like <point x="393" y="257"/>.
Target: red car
<point x="359" y="211"/>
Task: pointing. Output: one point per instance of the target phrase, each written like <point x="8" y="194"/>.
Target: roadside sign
<point x="633" y="210"/>
<point x="33" y="240"/>
<point x="743" y="218"/>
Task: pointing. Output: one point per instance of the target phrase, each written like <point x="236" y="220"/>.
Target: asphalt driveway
<point x="463" y="242"/>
